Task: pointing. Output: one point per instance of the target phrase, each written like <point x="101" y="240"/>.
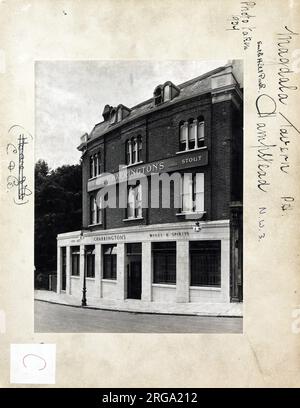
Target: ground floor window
<point x="109" y="261"/>
<point x="90" y="261"/>
<point x="164" y="262"/>
<point x="75" y="250"/>
<point x="205" y="263"/>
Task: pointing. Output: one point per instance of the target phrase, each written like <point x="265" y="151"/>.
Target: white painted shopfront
<point x="180" y="296"/>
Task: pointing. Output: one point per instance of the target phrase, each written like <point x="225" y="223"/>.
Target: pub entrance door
<point x="134" y="271"/>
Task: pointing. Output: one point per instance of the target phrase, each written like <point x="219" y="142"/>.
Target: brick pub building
<point x="185" y="259"/>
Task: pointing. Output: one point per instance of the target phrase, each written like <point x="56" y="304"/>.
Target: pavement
<point x="57" y="318"/>
<point x="226" y="309"/>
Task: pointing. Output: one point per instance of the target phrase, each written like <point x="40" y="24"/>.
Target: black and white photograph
<point x="138" y="211"/>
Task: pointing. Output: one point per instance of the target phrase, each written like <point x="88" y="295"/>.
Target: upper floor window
<point x="109" y="261"/>
<point x="134" y="201"/>
<point x="95" y="211"/>
<point x="95" y="165"/>
<point x="165" y="92"/>
<point x="192" y="192"/>
<point x="191" y="134"/>
<point x="134" y="150"/>
<point x="113" y="116"/>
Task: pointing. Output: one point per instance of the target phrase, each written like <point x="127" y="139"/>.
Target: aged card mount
<point x="133" y="258"/>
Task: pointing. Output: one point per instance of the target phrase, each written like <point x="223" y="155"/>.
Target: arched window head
<point x="139" y="148"/>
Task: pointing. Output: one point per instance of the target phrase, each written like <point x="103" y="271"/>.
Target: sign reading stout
<point x="178" y="162"/>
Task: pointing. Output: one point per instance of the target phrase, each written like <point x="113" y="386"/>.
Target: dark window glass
<point x="134" y="249"/>
<point x="91" y="167"/>
<point x="75" y="261"/>
<point x="139" y="148"/>
<point x="205" y="263"/>
<point x="164" y="262"/>
<point x="158" y="96"/>
<point x="90" y="261"/>
<point x="109" y="261"/>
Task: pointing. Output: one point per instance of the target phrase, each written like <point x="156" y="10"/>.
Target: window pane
<point x="205" y="261"/>
<point x="200" y="134"/>
<point x="75" y="257"/>
<point x="199" y="191"/>
<point x="164" y="262"/>
<point x="167" y="93"/>
<point x="109" y="261"/>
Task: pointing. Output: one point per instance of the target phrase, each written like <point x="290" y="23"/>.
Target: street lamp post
<point x="83" y="300"/>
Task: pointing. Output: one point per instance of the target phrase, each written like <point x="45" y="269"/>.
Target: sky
<point x="70" y="97"/>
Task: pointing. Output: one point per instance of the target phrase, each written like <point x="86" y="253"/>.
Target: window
<point x="119" y="114"/>
<point x="167" y="93"/>
<point x="90" y="261"/>
<point x="139" y="144"/>
<point x="134" y="201"/>
<point x="191" y="134"/>
<point x="164" y="262"/>
<point x="183" y="138"/>
<point x="205" y="263"/>
<point x="158" y="96"/>
<point x="63" y="267"/>
<point x="91" y="166"/>
<point x="109" y="253"/>
<point x="113" y="116"/>
<point x="95" y="165"/>
<point x="95" y="211"/>
<point x="192" y="192"/>
<point x="75" y="258"/>
<point x="134" y="150"/>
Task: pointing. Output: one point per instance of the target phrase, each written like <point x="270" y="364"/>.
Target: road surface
<point x="57" y="318"/>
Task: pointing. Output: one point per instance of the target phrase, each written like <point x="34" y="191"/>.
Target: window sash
<point x="199" y="192"/>
<point x="75" y="262"/>
<point x="134" y="202"/>
<point x="90" y="265"/>
<point x="164" y="267"/>
<point x="109" y="266"/>
<point x="205" y="261"/>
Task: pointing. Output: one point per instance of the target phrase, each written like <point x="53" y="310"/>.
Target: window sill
<point x="75" y="276"/>
<point x="95" y="225"/>
<point x="90" y="279"/>
<point x="164" y="285"/>
<point x="133" y="164"/>
<point x="109" y="280"/>
<point x="133" y="219"/>
<point x="192" y="150"/>
<point x="206" y="288"/>
<point x="191" y="213"/>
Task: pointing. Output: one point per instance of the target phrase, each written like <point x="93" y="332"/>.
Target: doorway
<point x="134" y="271"/>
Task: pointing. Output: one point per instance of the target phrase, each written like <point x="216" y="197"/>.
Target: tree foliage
<point x="58" y="209"/>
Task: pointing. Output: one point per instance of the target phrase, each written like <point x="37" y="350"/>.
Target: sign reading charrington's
<point x="179" y="162"/>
